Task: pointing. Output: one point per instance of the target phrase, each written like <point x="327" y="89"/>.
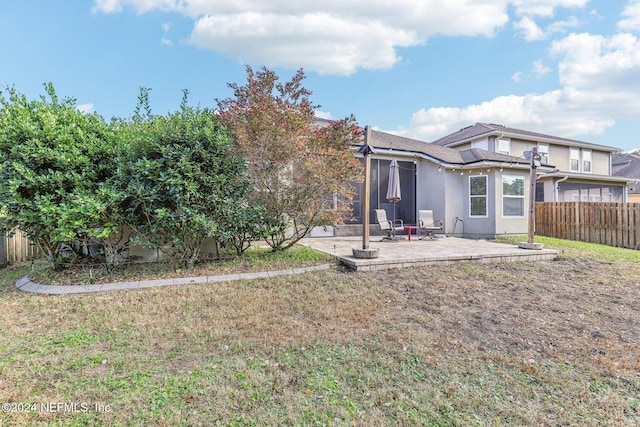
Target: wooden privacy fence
<point x="606" y="223"/>
<point x="17" y="248"/>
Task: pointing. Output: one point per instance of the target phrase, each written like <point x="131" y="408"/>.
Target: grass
<point x="547" y="343"/>
<point x="254" y="259"/>
<point x="573" y="249"/>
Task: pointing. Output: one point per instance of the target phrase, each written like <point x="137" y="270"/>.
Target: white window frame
<point x="574" y="154"/>
<point x="512" y="196"/>
<point x="503" y="145"/>
<point x="587" y="162"/>
<point x="474" y="196"/>
<point x="543" y="150"/>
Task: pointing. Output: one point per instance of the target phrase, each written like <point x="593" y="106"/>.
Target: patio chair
<point x="389" y="227"/>
<point x="428" y="224"/>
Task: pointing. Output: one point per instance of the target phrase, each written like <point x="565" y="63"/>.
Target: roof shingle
<point x="387" y="141"/>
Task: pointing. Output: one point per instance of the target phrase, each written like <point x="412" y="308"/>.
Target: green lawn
<point x="547" y="343"/>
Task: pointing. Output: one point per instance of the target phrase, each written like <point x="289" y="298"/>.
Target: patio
<point x="441" y="251"/>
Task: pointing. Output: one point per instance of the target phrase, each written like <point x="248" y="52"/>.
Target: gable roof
<point x="470" y="133"/>
<point x="382" y="141"/>
<point x="627" y="165"/>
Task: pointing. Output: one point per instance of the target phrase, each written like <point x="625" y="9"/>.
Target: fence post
<point x="3" y="250"/>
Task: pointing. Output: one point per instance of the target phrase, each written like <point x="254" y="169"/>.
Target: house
<point x="628" y="165"/>
<point x="477" y="180"/>
<point x="582" y="170"/>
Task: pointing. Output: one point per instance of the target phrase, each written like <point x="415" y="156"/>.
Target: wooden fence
<point x="606" y="223"/>
<point x="17" y="248"/>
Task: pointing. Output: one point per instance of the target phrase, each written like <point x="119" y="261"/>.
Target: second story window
<point x="586" y="160"/>
<point x="574" y="162"/>
<point x="543" y="150"/>
<point x="503" y="145"/>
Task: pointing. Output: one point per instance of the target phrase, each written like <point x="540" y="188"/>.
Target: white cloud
<point x="166" y="27"/>
<point x="631" y="17"/>
<point x="600" y="78"/>
<point x="140" y="6"/>
<point x="331" y="37"/>
<point x="597" y="64"/>
<point x="539" y="69"/>
<point x="562" y="26"/>
<point x="338" y="37"/>
<point x="334" y="37"/>
<point x="86" y="108"/>
<point x="552" y="112"/>
<point x="544" y="8"/>
<point x="529" y="29"/>
<point x="319" y="42"/>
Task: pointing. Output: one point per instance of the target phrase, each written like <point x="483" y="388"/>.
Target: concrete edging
<point x="25" y="284"/>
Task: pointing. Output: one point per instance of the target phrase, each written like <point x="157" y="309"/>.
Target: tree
<point x="301" y="171"/>
<point x="54" y="161"/>
<point x="180" y="178"/>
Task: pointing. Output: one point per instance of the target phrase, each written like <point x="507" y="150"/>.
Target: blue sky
<point x="419" y="68"/>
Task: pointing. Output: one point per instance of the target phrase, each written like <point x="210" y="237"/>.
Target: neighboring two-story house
<point x="582" y="171"/>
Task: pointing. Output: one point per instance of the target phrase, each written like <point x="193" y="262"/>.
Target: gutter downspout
<point x="555" y="196"/>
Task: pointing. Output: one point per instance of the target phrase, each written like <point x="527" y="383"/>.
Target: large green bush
<point x="180" y="178"/>
<point x="69" y="179"/>
<point x="55" y="163"/>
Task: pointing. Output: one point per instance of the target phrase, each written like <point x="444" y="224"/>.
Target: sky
<point x="416" y="68"/>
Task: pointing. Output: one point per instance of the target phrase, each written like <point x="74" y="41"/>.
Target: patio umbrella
<point x="393" y="190"/>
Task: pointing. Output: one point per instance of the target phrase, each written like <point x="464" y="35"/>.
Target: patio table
<point x="409" y="228"/>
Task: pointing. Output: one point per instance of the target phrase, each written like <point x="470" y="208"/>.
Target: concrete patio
<point x="441" y="251"/>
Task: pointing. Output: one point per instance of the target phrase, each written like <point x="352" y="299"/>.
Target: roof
<point x="382" y="141"/>
<point x="627" y="165"/>
<point x="470" y="133"/>
<point x="586" y="177"/>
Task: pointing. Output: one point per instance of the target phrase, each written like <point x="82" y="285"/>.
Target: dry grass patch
<point x="553" y="343"/>
<point x="254" y="259"/>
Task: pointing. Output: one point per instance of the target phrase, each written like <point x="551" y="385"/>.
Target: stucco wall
<point x="600" y="163"/>
<point x="455" y="194"/>
<point x="479" y="227"/>
<point x="429" y="185"/>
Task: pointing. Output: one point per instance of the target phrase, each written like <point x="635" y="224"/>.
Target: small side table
<point x="409" y="228"/>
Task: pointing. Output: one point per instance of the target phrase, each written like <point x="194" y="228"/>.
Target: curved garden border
<point x="26" y="285"/>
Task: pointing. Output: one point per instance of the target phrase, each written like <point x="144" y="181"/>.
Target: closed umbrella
<point x="393" y="190"/>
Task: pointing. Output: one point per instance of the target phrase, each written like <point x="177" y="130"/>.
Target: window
<point x="478" y="195"/>
<point x="574" y="165"/>
<point x="503" y="145"/>
<point x="586" y="160"/>
<point x="576" y="192"/>
<point x="543" y="150"/>
<point x="512" y="195"/>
